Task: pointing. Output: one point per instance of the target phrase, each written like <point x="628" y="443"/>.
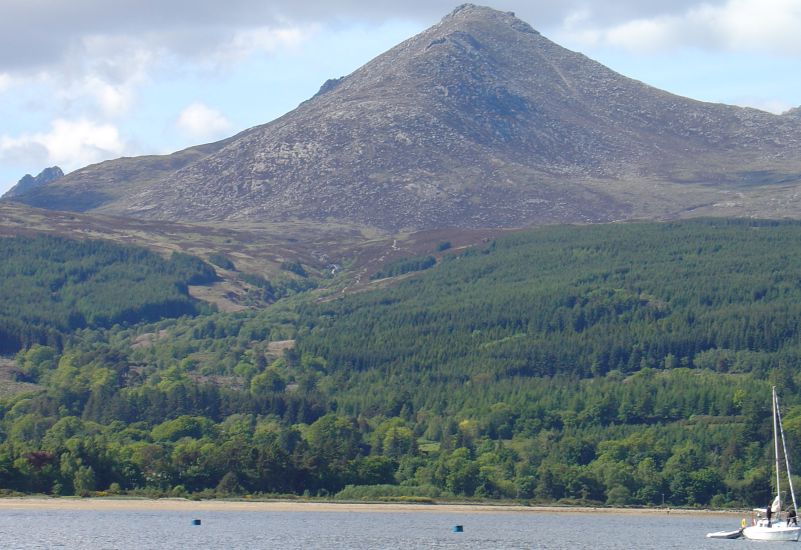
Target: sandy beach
<point x="183" y="505"/>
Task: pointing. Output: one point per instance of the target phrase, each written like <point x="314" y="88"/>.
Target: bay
<point x="159" y="529"/>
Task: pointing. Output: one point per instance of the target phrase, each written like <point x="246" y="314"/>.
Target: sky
<point x="83" y="81"/>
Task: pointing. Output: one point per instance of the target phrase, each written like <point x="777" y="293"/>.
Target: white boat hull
<point x="725" y="534"/>
<point x="775" y="532"/>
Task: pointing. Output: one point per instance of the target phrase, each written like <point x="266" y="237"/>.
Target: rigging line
<point x="776" y="447"/>
<point x="786" y="456"/>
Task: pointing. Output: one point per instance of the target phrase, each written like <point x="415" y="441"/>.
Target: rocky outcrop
<point x="28" y="183"/>
<point x="796" y="112"/>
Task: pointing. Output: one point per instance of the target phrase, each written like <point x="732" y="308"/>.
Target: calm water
<point x="397" y="531"/>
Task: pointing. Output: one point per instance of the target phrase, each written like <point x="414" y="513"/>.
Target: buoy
<point x="742" y="523"/>
<point x="458" y="529"/>
<point x="195" y="522"/>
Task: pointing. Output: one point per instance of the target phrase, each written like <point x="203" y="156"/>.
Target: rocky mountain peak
<point x="795" y="112"/>
<point x="467" y="12"/>
<point x="28" y="183"/>
<point x="477" y="121"/>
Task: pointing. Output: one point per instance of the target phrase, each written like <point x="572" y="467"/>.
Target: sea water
<point x="83" y="529"/>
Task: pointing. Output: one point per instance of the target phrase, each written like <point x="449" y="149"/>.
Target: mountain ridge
<point x="29" y="182"/>
<point x="479" y="121"/>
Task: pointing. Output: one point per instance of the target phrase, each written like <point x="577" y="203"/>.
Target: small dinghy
<point x="725" y="534"/>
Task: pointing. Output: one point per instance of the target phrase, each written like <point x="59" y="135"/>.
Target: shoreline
<point x="184" y="505"/>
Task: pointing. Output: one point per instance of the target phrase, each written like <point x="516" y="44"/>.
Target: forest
<point x="51" y="286"/>
<point x="621" y="364"/>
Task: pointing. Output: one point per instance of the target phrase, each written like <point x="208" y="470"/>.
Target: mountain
<point x="479" y="121"/>
<point x="28" y="183"/>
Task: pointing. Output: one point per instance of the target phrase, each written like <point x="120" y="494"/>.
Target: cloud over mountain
<point x="736" y="25"/>
<point x="68" y="142"/>
<point x="200" y="122"/>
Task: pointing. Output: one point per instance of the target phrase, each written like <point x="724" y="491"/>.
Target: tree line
<point x="620" y="364"/>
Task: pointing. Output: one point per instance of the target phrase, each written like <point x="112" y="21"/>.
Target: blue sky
<point x="90" y="80"/>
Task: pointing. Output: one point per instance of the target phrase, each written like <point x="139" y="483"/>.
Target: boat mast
<point x="776" y="446"/>
<point x="786" y="456"/>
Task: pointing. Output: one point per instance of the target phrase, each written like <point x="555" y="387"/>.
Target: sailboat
<point x="780" y="528"/>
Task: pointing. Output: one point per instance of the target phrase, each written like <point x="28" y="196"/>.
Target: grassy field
<point x="9" y="385"/>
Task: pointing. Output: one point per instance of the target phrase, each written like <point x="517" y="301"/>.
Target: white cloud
<point x="268" y="40"/>
<point x="113" y="100"/>
<point x="775" y="106"/>
<point x="200" y="121"/>
<point x="69" y="144"/>
<point x="771" y="26"/>
<point x="768" y="25"/>
<point x="651" y="35"/>
<point x="91" y="95"/>
<point x="103" y="74"/>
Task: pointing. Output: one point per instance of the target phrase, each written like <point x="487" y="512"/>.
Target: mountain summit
<point x="28" y="182"/>
<point x="477" y="121"/>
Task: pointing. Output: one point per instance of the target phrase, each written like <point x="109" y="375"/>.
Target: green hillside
<point x="572" y="301"/>
<point x="619" y="364"/>
<point x="50" y="286"/>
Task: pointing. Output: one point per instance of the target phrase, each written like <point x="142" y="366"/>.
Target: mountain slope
<point x="99" y="184"/>
<point x="478" y="121"/>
